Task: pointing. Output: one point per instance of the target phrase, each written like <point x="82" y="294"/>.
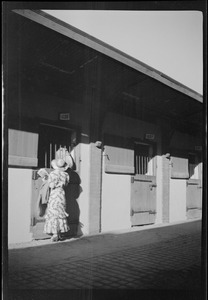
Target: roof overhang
<point x="87" y="40"/>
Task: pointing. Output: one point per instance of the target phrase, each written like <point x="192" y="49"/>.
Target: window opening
<point x="50" y="140"/>
<point x="193" y="166"/>
<point x="143" y="159"/>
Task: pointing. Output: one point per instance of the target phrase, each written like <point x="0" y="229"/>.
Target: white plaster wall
<point x="116" y="191"/>
<point x="159" y="182"/>
<point x="177" y="207"/>
<point x="83" y="200"/>
<point x="19" y="205"/>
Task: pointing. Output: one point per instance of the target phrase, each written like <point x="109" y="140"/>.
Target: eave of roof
<point x="96" y="44"/>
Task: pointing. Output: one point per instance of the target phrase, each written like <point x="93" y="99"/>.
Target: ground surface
<point x="166" y="258"/>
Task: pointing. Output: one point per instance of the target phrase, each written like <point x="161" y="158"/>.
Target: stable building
<point x="134" y="133"/>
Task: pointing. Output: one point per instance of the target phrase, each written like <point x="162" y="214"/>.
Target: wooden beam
<point x="87" y="40"/>
<point x="57" y="68"/>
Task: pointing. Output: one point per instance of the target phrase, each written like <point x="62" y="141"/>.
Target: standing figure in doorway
<point x="56" y="215"/>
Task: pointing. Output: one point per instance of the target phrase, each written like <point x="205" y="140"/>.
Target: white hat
<point x="59" y="164"/>
<point x="63" y="154"/>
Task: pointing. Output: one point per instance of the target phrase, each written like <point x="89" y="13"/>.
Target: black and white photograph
<point x="104" y="150"/>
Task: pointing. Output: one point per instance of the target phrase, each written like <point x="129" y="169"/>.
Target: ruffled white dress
<point x="56" y="216"/>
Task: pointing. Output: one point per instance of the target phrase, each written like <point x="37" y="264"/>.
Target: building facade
<point x="135" y="134"/>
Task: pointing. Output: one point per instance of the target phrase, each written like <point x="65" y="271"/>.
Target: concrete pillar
<point x="95" y="170"/>
<point x="165" y="188"/>
<point x="95" y="188"/>
<point x="166" y="133"/>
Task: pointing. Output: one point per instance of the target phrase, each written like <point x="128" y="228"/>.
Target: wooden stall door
<point x="194" y="188"/>
<point x="143" y="187"/>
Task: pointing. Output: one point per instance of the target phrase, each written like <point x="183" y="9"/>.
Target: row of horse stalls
<point x="134" y="134"/>
<point x="154" y="187"/>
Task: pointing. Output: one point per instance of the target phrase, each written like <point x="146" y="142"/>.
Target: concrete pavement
<point x="148" y="258"/>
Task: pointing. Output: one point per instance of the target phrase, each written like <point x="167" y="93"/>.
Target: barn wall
<point x="19" y="205"/>
<point x="116" y="188"/>
<point x="115" y="202"/>
<point x="44" y="106"/>
<point x="177" y="206"/>
<point x="37" y="107"/>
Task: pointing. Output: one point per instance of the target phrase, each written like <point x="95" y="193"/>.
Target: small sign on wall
<point x="198" y="148"/>
<point x="149" y="136"/>
<point x="64" y="116"/>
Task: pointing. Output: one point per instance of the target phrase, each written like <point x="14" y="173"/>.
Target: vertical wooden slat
<point x="45" y="158"/>
<point x="148" y="170"/>
<point x="138" y="166"/>
<point x="55" y="148"/>
<point x="142" y="165"/>
<point x="142" y="161"/>
<point x="50" y="152"/>
<point x="147" y="160"/>
<point x="48" y="156"/>
<point x="145" y="164"/>
<point x="137" y="170"/>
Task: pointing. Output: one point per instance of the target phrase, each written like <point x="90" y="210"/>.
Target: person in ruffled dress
<point x="56" y="215"/>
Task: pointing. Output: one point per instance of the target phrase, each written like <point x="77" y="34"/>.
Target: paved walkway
<point x="165" y="257"/>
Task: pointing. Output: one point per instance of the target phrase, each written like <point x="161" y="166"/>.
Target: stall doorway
<point x="51" y="138"/>
<point x="194" y="187"/>
<point x="143" y="186"/>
